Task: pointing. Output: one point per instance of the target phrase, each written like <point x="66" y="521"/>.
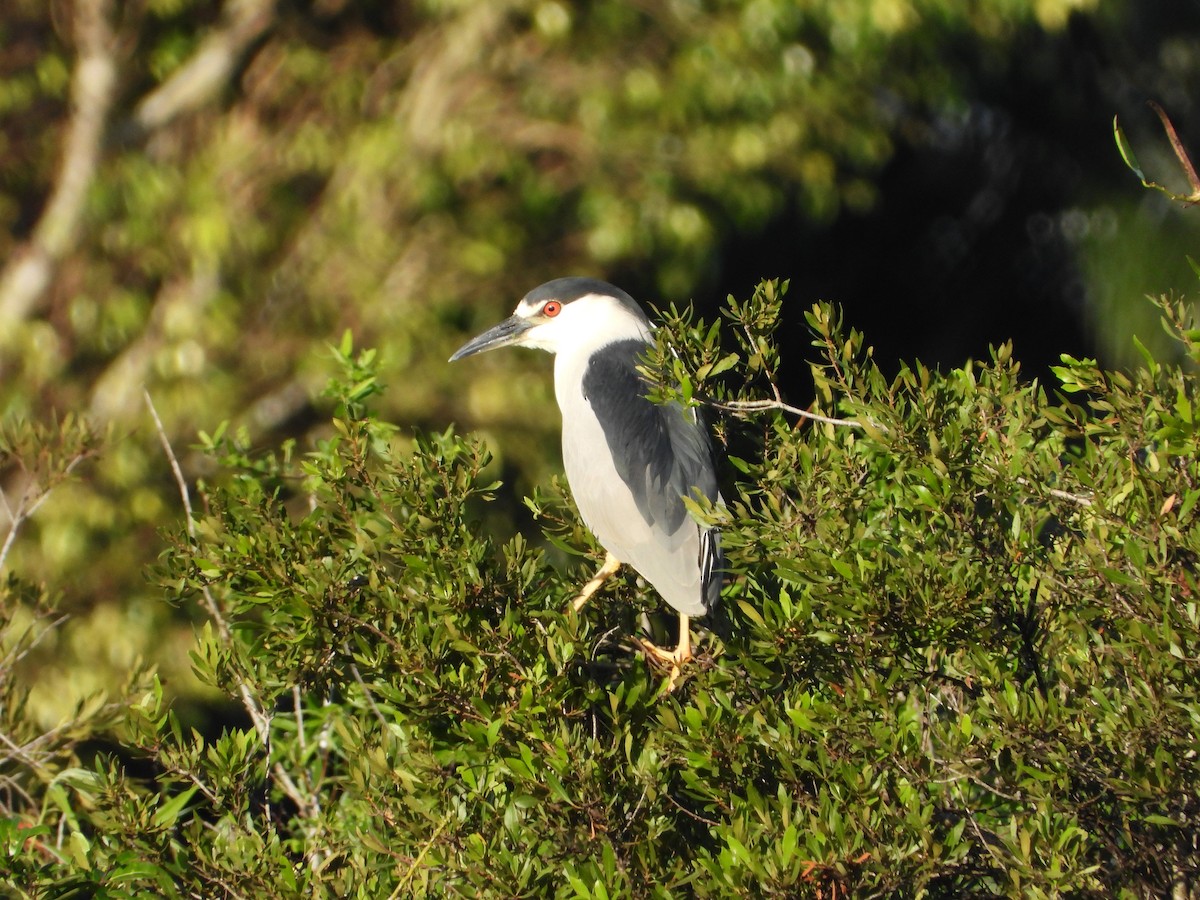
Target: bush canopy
<point x="956" y="656"/>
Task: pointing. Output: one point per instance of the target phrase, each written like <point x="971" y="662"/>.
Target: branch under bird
<point x="629" y="461"/>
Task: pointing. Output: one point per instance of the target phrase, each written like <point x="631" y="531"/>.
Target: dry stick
<point x="420" y="857"/>
<point x="1064" y="495"/>
<point x="28" y="274"/>
<point x="1177" y="145"/>
<point x="762" y="405"/>
<point x="260" y="719"/>
<point x="206" y="73"/>
<point x="262" y="722"/>
<point x="210" y="602"/>
<point x="749" y="406"/>
<point x="4" y="505"/>
<point x="16" y="520"/>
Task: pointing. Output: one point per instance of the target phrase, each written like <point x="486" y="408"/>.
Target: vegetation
<point x="958" y="657"/>
<point x="324" y="648"/>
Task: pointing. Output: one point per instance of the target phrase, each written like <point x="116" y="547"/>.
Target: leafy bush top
<point x="956" y="656"/>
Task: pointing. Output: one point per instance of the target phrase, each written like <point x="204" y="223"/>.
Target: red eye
<point x="551" y="308"/>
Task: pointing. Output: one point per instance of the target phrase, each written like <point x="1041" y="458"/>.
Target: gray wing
<point x="662" y="453"/>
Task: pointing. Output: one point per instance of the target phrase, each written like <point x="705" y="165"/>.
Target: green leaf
<point x="1126" y="150"/>
<point x="788" y="844"/>
<point x="751" y="613"/>
<point x="167" y="814"/>
<point x="724" y="364"/>
<point x="1156" y="819"/>
<point x="1151" y="364"/>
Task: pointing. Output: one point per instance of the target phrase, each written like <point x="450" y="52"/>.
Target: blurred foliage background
<point x="198" y="197"/>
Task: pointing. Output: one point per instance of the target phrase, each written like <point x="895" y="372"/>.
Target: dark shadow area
<point x="973" y="239"/>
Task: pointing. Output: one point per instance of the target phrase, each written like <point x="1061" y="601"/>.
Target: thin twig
<point x="4" y="504"/>
<point x="687" y="812"/>
<point x="749" y="406"/>
<point x="420" y="857"/>
<point x="192" y="777"/>
<point x="1064" y="495"/>
<point x="987" y="845"/>
<point x="289" y="787"/>
<point x="14" y="656"/>
<point x="22" y="751"/>
<point x="262" y="722"/>
<point x="13" y="787"/>
<point x="753" y="345"/>
<point x="184" y="494"/>
<point x="15" y="522"/>
<point x="25" y="509"/>
<point x="261" y="719"/>
<point x="1056" y="492"/>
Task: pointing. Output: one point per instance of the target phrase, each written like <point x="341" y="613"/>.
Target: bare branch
<point x="203" y="76"/>
<point x="29" y="273"/>
<point x="16" y="519"/>
<point x="184" y="494"/>
<point x="1058" y="493"/>
<point x="753" y="406"/>
<point x="28" y="505"/>
<point x="1073" y="498"/>
<point x="25" y="644"/>
<point x="1180" y="152"/>
<point x="262" y="722"/>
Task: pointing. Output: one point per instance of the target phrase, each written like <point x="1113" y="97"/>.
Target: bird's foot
<point x="606" y="571"/>
<point x="670" y="660"/>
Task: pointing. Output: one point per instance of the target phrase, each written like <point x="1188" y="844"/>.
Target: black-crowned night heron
<point x="630" y="462"/>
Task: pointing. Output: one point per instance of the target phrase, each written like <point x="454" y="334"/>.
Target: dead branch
<point x="1181" y="153"/>
<point x="29" y="273"/>
<point x="753" y="406"/>
<point x="203" y="76"/>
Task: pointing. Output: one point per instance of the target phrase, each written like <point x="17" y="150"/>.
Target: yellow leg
<point x="606" y="571"/>
<point x="673" y="659"/>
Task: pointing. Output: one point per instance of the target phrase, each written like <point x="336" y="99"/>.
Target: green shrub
<point x="956" y="657"/>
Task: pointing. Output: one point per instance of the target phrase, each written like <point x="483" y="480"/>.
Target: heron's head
<point x="565" y="313"/>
